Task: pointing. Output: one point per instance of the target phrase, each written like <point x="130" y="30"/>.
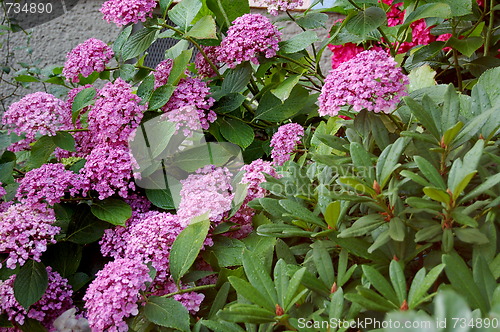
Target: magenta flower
<point x="123" y="12"/>
<point x="90" y="56"/>
<point x="54" y="302"/>
<point x="202" y="66"/>
<point x="284" y="141"/>
<point x="273" y="6"/>
<point x="370" y="81"/>
<point x="114" y="293"/>
<point x="25" y="232"/>
<point x="250" y="35"/>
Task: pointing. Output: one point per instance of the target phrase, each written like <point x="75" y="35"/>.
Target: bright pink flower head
<point x="370" y="81"/>
<point x="284" y="141"/>
<point x="114" y="293"/>
<point x="55" y="300"/>
<point x="273" y="6"/>
<point x="116" y="113"/>
<point x="209" y="190"/>
<point x="343" y="53"/>
<point x="90" y="56"/>
<point x="191" y="300"/>
<point x="202" y="66"/>
<point x="48" y="183"/>
<point x="250" y="35"/>
<point x="3" y="192"/>
<point x="109" y="169"/>
<point x="25" y="232"/>
<point x="162" y="72"/>
<point x="37" y="113"/>
<point x="123" y="12"/>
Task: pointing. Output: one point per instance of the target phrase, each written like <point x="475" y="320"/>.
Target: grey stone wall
<point x="50" y="42"/>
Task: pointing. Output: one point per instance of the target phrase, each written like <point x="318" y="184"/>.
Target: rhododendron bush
<point x="238" y="187"/>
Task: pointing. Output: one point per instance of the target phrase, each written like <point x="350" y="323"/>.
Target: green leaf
<point x="84" y="227"/>
<point x="179" y="67"/>
<point x="174" y="51"/>
<point x="361" y="158"/>
<point x="312" y="20"/>
<point x="237" y="132"/>
<point x="26" y="78"/>
<point x="366" y="21"/>
<point x="115" y="211"/>
<point x="421" y="77"/>
<point x="165" y="5"/>
<point x="463" y="219"/>
<point x="323" y="262"/>
<point x="246" y="313"/>
<point x="32" y="325"/>
<point x="220" y="300"/>
<point x="430" y="172"/>
<point x="78" y="280"/>
<point x="466" y="46"/>
<point x="363" y="225"/>
<point x="437" y="195"/>
<point x="397" y="229"/>
<point x="83" y="99"/>
<point x="421" y="284"/>
<point x="450" y="134"/>
<point x="186" y="247"/>
<point x="461" y="279"/>
<point x="298" y="42"/>
<point x="423" y="116"/>
<point x="272" y="109"/>
<point x="184" y="12"/>
<point x="398" y="280"/>
<point x="300" y="212"/>
<point x="229" y="103"/>
<point x="226" y="11"/>
<point x="30" y="283"/>
<point x="64" y="140"/>
<point x="249" y="292"/>
<point x="380" y="283"/>
<point x="236" y="79"/>
<point x="212" y="153"/>
<point x="293" y="287"/>
<point x="203" y="29"/>
<point x="357" y="185"/>
<point x="441" y="10"/>
<point x="458" y="7"/>
<point x="332" y="214"/>
<point x="489" y="183"/>
<point x="489" y="80"/>
<point x="41" y="151"/>
<point x="161" y="198"/>
<point x="138" y="43"/>
<point x="283" y="90"/>
<point x="63" y="257"/>
<point x="167" y="312"/>
<point x="388" y="160"/>
<point x="221" y="326"/>
<point x="484" y="279"/>
<point x="120" y="40"/>
<point x="471" y="235"/>
<point x="254" y="270"/>
<point x="145" y="90"/>
<point x="160" y="96"/>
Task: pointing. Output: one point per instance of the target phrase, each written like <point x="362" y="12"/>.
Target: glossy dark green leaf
<point x="167" y="312"/>
<point x="366" y="21"/>
<point x="254" y="270"/>
<point x="237" y="132"/>
<point x="64" y="140"/>
<point x="30" y="284"/>
<point x="112" y="210"/>
<point x="363" y="225"/>
<point x="41" y="151"/>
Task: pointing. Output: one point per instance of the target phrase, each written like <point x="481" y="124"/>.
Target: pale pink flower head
<point x="25" y="232"/>
<point x="55" y="300"/>
<point x="250" y="35"/>
<point x="37" y="113"/>
<point x="284" y="142"/>
<point x="273" y="6"/>
<point x="123" y="12"/>
<point x="113" y="295"/>
<point x="370" y="81"/>
<point x="90" y="56"/>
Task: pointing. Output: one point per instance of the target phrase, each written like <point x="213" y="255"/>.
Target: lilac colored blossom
<point x="150" y="239"/>
<point x="3" y="192"/>
<point x="185" y="118"/>
<point x="250" y="36"/>
<point x="109" y="169"/>
<point x="37" y="113"/>
<point x="114" y="293"/>
<point x="116" y="113"/>
<point x="191" y="300"/>
<point x="123" y="12"/>
<point x="162" y="72"/>
<point x="138" y="203"/>
<point x="25" y="232"/>
<point x="90" y="56"/>
<point x="284" y="141"/>
<point x="202" y="66"/>
<point x="55" y="300"/>
<point x="209" y="190"/>
<point x="48" y="183"/>
<point x="273" y="6"/>
<point x="370" y="81"/>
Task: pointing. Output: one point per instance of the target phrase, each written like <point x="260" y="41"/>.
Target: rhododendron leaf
<point x="255" y="272"/>
<point x="167" y="312"/>
<point x="184" y="12"/>
<point x="301" y="212"/>
<point x="246" y="313"/>
<point x="114" y="211"/>
<point x="430" y="172"/>
<point x="64" y="140"/>
<point x="323" y="263"/>
<point x="237" y="132"/>
<point x="489" y="82"/>
<point x="41" y="151"/>
<point x="363" y="225"/>
<point x="249" y="292"/>
<point x="204" y="29"/>
<point x="30" y="284"/>
<point x="471" y="235"/>
<point x="186" y="248"/>
<point x="221" y="326"/>
<point x="366" y="21"/>
<point x="298" y="42"/>
<point x="138" y="43"/>
<point x="397" y="229"/>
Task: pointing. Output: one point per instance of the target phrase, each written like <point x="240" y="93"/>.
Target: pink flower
<point x="37" y="113"/>
<point x="25" y="232"/>
<point x="191" y="300"/>
<point x="123" y="12"/>
<point x="370" y="81"/>
<point x="90" y="56"/>
<point x="284" y="141"/>
<point x="343" y="53"/>
<point x="273" y="6"/>
<point x="250" y="35"/>
<point x="202" y="66"/>
<point x="114" y="293"/>
<point x="55" y="300"/>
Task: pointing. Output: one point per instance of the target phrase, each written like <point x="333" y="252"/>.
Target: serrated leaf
<point x="184" y="12"/>
<point x="441" y="10"/>
<point x="160" y="96"/>
<point x="237" y="132"/>
<point x="283" y="90"/>
<point x="203" y="29"/>
<point x="41" y="151"/>
<point x="112" y="210"/>
<point x="298" y="42"/>
<point x="366" y="21"/>
<point x="138" y="43"/>
<point x="64" y="140"/>
<point x="30" y="283"/>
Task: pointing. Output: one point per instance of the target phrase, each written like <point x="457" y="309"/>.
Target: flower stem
<point x="192" y="289"/>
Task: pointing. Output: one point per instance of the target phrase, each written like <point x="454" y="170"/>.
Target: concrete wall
<point x="51" y="41"/>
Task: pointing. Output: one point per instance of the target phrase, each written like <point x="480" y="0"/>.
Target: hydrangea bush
<point x="237" y="187"/>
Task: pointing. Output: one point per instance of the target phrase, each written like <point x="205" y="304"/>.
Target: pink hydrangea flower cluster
<point x="3" y="192"/>
<point x="25" y="231"/>
<point x="109" y="169"/>
<point x="89" y="56"/>
<point x="54" y="302"/>
<point x="273" y="6"/>
<point x="37" y="113"/>
<point x="284" y="141"/>
<point x="191" y="300"/>
<point x="202" y="66"/>
<point x="114" y="293"/>
<point x="47" y="184"/>
<point x="250" y="36"/>
<point x="116" y="113"/>
<point x="123" y="12"/>
<point x="190" y="93"/>
<point x="371" y="81"/>
<point x="209" y="190"/>
<point x="343" y="53"/>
